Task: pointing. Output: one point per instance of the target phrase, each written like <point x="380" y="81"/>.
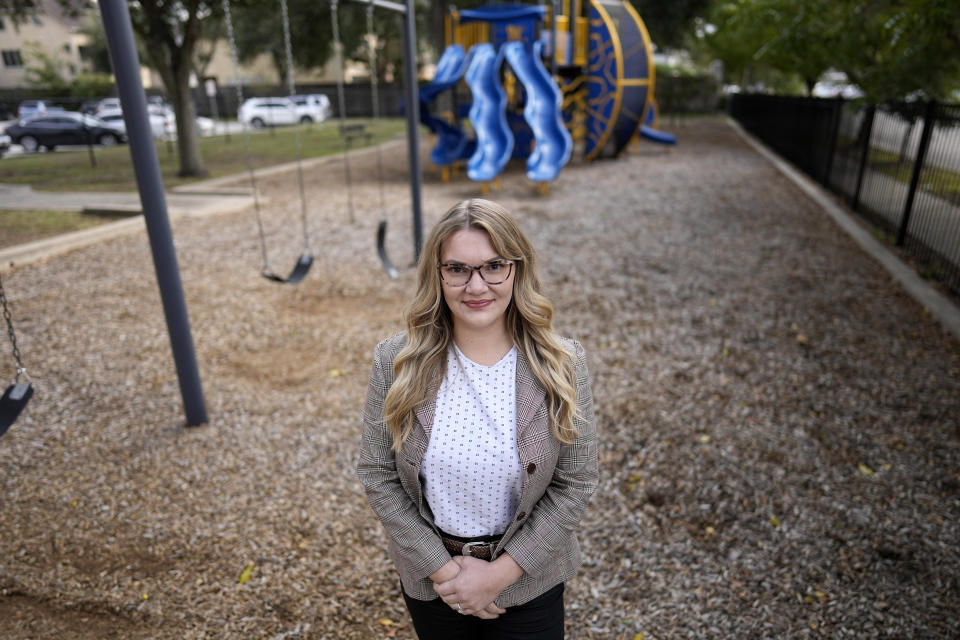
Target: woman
<point x="479" y="448"/>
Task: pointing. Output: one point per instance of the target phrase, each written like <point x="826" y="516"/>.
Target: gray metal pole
<point x="126" y="67"/>
<point x="413" y="125"/>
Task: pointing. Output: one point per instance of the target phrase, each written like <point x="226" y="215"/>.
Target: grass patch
<point x="26" y="225"/>
<point x="943" y="183"/>
<point x="71" y="170"/>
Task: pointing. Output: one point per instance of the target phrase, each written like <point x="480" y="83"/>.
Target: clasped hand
<point x="474" y="588"/>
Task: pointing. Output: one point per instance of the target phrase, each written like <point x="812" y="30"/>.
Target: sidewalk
<point x="178" y="205"/>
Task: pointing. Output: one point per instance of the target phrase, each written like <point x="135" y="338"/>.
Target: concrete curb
<point x="22" y="254"/>
<point x="941" y="307"/>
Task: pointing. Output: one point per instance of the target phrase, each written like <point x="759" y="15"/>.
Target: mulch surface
<point x="779" y="442"/>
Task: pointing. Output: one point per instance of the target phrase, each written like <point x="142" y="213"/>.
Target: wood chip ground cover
<point x="778" y="421"/>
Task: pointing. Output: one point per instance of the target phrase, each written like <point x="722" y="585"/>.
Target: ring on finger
<point x="459" y="608"/>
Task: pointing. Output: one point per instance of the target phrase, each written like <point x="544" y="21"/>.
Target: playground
<point x="777" y="418"/>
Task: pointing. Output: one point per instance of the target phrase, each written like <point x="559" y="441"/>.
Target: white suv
<point x="261" y="112"/>
<point x="314" y="107"/>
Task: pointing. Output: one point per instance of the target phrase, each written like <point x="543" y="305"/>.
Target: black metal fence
<point x="897" y="165"/>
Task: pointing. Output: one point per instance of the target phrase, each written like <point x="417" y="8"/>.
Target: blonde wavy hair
<point x="421" y="364"/>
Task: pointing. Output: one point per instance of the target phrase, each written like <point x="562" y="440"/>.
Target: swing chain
<point x="21" y="370"/>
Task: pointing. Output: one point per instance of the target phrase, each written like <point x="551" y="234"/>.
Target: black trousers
<point x="539" y="619"/>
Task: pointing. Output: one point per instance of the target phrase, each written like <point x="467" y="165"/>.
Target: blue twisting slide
<point x="542" y="112"/>
<point x="488" y="114"/>
<point x="452" y="143"/>
<point x="450" y="69"/>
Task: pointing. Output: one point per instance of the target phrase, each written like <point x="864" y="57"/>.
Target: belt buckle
<point x="468" y="547"/>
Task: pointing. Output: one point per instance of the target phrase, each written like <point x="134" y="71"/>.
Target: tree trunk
<point x="191" y="163"/>
<point x="174" y="64"/>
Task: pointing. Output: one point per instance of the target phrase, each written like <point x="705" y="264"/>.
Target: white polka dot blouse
<point x="471" y="471"/>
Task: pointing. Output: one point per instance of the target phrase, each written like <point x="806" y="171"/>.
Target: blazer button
<point x="521" y="515"/>
<point x="531" y="468"/>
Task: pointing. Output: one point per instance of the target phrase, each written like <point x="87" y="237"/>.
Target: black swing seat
<point x="14" y="399"/>
<point x="299" y="270"/>
<point x="382" y="250"/>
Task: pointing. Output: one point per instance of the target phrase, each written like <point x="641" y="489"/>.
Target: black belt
<point x="477" y="549"/>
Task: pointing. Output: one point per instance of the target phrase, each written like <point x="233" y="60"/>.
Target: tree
<point x="258" y="28"/>
<point x="95" y="51"/>
<point x="889" y="48"/>
<point x="45" y="69"/>
<point x="786" y="37"/>
<point x="669" y="23"/>
<point x="169" y="31"/>
<point x="896" y="48"/>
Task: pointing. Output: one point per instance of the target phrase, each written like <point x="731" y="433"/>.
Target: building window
<point x="11" y="58"/>
<point x="3" y="25"/>
<point x="66" y="47"/>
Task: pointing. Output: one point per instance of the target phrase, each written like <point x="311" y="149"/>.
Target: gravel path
<point x="778" y="421"/>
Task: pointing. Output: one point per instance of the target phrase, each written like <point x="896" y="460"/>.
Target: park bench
<point x="352" y="132"/>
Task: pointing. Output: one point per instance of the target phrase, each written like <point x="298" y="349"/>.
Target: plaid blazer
<point x="558" y="481"/>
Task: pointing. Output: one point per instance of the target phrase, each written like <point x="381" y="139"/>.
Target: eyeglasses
<point x="458" y="275"/>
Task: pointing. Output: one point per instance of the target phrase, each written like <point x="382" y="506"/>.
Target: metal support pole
<point x="126" y="67"/>
<point x="413" y="125"/>
<point x="929" y="119"/>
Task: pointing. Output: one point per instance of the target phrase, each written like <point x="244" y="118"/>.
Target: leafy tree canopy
<point x="889" y="48"/>
<point x="670" y="22"/>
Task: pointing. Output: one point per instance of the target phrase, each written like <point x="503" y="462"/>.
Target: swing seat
<point x="382" y="250"/>
<point x="14" y="399"/>
<point x="298" y="273"/>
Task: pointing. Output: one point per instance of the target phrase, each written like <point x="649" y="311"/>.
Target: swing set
<point x="123" y="53"/>
<point x="305" y="261"/>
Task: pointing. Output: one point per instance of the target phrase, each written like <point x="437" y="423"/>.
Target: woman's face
<point x="478" y="306"/>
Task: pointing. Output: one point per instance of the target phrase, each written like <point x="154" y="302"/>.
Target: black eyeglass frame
<point x="501" y="261"/>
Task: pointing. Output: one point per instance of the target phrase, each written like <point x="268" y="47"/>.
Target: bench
<point x="351" y="132"/>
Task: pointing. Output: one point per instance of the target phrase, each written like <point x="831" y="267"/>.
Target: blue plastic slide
<point x="488" y="115"/>
<point x="452" y="142"/>
<point x="552" y="141"/>
<point x="450" y="69"/>
<point x="655" y="135"/>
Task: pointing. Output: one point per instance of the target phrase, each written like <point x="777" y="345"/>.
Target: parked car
<point x="30" y="108"/>
<point x="5" y="143"/>
<point x="62" y="128"/>
<point x="161" y="122"/>
<point x="260" y="112"/>
<point x="107" y="104"/>
<point x="314" y="107"/>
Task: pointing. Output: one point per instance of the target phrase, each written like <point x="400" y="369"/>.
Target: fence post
<point x="836" y="111"/>
<point x="866" y="131"/>
<point x="929" y="119"/>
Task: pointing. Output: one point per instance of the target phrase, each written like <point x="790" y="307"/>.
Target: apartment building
<point x="49" y="28"/>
